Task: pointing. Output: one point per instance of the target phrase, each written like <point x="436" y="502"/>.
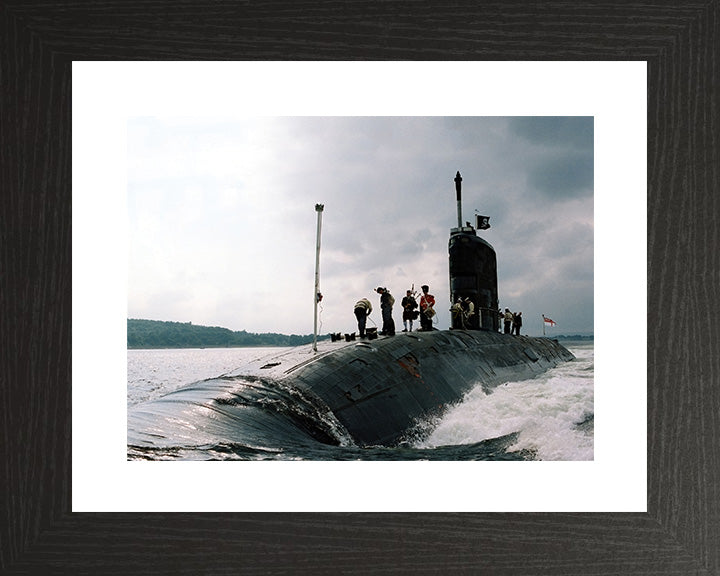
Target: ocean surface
<point x="549" y="417"/>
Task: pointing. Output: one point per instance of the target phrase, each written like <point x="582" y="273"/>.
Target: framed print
<point x="41" y="534"/>
<point x="597" y="100"/>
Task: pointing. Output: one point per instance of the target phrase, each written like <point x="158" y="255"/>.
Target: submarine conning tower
<point x="473" y="270"/>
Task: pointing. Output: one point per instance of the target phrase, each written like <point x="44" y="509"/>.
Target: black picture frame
<point x="680" y="532"/>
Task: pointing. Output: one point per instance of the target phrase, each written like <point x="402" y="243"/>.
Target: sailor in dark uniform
<point x="409" y="313"/>
<point x="386" y="303"/>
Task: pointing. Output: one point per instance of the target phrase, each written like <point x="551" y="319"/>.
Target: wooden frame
<point x="680" y="532"/>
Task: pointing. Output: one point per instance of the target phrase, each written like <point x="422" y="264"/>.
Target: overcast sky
<point x="222" y="216"/>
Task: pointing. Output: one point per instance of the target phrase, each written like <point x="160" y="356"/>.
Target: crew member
<point x="517" y="323"/>
<point x="409" y="313"/>
<point x="508" y="318"/>
<point x="468" y="311"/>
<point x="427" y="301"/>
<point x="457" y="314"/>
<point x="386" y="303"/>
<point x="362" y="311"/>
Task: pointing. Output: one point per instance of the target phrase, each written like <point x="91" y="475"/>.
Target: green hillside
<point x="157" y="334"/>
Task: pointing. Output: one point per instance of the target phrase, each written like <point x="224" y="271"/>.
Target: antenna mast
<point x="458" y="196"/>
<point x="318" y="295"/>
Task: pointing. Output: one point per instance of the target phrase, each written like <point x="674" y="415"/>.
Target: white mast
<point x="317" y="296"/>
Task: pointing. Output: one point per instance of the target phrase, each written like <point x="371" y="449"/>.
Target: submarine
<point x="376" y="391"/>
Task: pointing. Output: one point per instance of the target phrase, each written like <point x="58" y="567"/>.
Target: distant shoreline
<point x="136" y="349"/>
<point x="158" y="334"/>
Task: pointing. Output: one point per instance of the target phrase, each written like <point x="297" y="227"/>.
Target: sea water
<point x="549" y="417"/>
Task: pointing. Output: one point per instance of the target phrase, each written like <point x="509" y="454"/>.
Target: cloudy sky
<point x="223" y="223"/>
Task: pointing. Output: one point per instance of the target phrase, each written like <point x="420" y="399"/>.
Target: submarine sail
<point x="473" y="273"/>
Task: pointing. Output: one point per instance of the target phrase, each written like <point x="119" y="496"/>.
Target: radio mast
<point x="318" y="295"/>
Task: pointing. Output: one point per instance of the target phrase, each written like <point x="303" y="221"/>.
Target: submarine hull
<point x="382" y="391"/>
<point x="379" y="392"/>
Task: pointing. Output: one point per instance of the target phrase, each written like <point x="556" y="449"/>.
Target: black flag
<point x="482" y="222"/>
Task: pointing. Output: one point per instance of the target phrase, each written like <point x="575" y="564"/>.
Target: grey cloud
<point x="566" y="176"/>
<point x="573" y="132"/>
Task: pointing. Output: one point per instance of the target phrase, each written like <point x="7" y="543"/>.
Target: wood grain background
<point x="680" y="534"/>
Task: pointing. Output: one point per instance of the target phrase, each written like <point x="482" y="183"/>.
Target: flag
<point x="548" y="321"/>
<point x="482" y="222"/>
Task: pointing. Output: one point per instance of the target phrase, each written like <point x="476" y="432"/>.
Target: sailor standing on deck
<point x="386" y="303"/>
<point x="427" y="301"/>
<point x="508" y="320"/>
<point x="468" y="309"/>
<point x="409" y="313"/>
<point x="457" y="316"/>
<point x="362" y="311"/>
<point x="517" y="323"/>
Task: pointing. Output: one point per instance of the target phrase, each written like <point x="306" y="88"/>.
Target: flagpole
<point x="319" y="210"/>
<point x="543" y="317"/>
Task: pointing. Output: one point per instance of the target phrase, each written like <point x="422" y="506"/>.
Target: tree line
<point x="159" y="334"/>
